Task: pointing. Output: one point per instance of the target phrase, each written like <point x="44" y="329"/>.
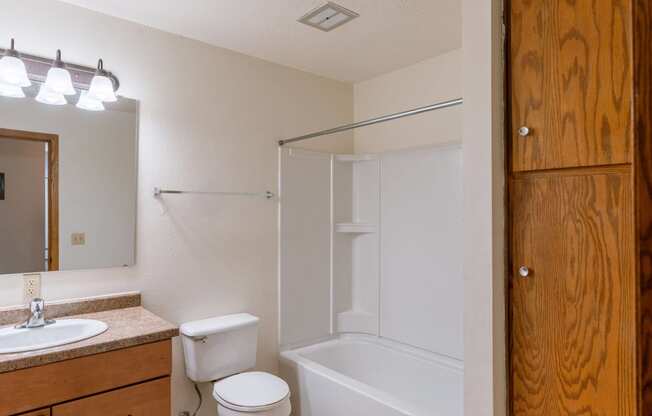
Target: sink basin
<point x="65" y="331"/>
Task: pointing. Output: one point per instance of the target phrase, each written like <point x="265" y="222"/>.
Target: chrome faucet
<point x="37" y="317"/>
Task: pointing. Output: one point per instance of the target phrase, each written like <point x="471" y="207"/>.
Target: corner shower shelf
<point x="355" y="228"/>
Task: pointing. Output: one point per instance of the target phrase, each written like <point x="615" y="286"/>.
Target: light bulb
<point x="47" y="96"/>
<point x="12" y="69"/>
<point x="58" y="79"/>
<point x="102" y="86"/>
<point x="87" y="103"/>
<point x="102" y="89"/>
<point x="12" y="91"/>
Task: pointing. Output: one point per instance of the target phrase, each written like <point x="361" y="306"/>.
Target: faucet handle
<point x="37" y="317"/>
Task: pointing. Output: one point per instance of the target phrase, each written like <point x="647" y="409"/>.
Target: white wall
<point x="97" y="178"/>
<point x="22" y="212"/>
<point x="485" y="379"/>
<point x="434" y="80"/>
<point x="210" y="119"/>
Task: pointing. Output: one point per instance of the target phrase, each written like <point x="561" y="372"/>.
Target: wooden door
<point x="571" y="83"/>
<point x="573" y="318"/>
<point x="52" y="141"/>
<point x="147" y="399"/>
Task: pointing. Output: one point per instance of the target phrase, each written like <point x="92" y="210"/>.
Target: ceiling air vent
<point x="328" y="17"/>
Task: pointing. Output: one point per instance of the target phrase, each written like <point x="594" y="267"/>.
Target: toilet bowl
<point x="258" y="393"/>
<point x="223" y="349"/>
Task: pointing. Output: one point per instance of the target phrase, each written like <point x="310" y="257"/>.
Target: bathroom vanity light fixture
<point x="56" y="79"/>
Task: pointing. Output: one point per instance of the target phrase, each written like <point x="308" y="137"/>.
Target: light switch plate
<point x="78" y="239"/>
<point x="31" y="286"/>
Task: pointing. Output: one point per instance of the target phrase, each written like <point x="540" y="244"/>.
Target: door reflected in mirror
<point x="68" y="180"/>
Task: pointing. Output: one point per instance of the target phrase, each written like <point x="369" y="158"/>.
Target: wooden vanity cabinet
<point x="133" y="381"/>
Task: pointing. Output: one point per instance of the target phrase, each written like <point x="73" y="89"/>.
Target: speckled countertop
<point x="130" y="324"/>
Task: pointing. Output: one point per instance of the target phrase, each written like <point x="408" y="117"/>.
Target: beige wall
<point x="22" y="213"/>
<point x="210" y="119"/>
<point x="484" y="210"/>
<point x="434" y="80"/>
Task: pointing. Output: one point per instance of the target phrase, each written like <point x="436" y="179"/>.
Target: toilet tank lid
<point x="216" y="325"/>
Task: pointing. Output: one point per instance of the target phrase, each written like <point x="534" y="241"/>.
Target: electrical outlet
<point x="78" y="239"/>
<point x="31" y="286"/>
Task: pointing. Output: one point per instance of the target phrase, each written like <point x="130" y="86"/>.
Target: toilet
<point x="221" y="350"/>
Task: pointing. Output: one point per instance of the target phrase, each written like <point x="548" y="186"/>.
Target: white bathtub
<point x="363" y="375"/>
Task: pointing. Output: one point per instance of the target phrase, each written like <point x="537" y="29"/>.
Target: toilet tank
<point x="219" y="347"/>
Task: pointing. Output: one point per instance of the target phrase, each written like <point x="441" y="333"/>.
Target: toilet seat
<point x="251" y="392"/>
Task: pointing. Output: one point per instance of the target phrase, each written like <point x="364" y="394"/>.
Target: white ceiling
<point x="388" y="35"/>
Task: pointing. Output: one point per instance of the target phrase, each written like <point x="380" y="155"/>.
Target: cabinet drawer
<point x="146" y="399"/>
<point x="79" y="377"/>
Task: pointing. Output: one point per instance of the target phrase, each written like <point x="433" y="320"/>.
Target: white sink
<point x="61" y="332"/>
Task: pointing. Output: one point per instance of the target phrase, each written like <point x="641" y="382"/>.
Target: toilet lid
<point x="252" y="389"/>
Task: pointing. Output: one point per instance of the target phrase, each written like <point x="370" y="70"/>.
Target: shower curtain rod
<point x="437" y="106"/>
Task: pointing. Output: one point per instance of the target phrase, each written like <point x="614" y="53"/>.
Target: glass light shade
<point x="87" y="103"/>
<point x="59" y="81"/>
<point x="13" y="72"/>
<point x="47" y="96"/>
<point x="102" y="89"/>
<point x="12" y="91"/>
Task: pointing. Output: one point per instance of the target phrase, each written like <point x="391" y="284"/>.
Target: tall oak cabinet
<point x="580" y="207"/>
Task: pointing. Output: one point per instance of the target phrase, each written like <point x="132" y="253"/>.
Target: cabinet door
<point x="573" y="317"/>
<point x="146" y="399"/>
<point x="571" y="83"/>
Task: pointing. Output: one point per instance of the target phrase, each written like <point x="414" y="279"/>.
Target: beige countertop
<point x="128" y="327"/>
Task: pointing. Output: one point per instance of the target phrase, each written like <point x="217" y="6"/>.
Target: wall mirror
<point x="68" y="180"/>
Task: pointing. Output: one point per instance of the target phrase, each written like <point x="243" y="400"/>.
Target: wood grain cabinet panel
<point x="571" y="83"/>
<point x="146" y="399"/>
<point x="42" y="412"/>
<point x="573" y="318"/>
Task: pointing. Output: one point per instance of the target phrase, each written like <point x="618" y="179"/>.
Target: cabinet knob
<point x="524" y="271"/>
<point x="524" y="131"/>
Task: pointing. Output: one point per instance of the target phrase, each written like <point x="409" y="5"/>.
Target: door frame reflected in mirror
<point x="52" y="140"/>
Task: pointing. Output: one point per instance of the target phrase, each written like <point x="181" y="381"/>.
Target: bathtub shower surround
<point x="371" y="281"/>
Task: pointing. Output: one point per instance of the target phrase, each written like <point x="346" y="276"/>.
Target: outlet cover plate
<point x="78" y="239"/>
<point x="31" y="286"/>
